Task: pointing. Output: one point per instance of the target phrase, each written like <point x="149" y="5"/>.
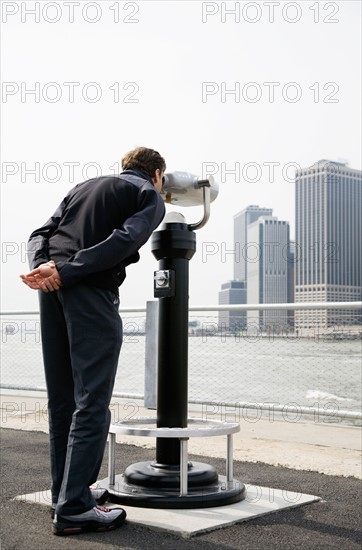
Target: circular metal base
<point x="220" y="493"/>
<point x="151" y="475"/>
<point x="185" y="485"/>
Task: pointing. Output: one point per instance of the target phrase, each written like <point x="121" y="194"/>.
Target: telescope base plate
<point x="218" y="493"/>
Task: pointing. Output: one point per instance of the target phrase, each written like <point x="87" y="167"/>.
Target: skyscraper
<point x="241" y="222"/>
<point x="232" y="292"/>
<point x="328" y="239"/>
<point x="267" y="272"/>
<point x="262" y="268"/>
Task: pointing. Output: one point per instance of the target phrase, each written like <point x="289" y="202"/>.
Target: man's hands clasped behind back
<point x="45" y="277"/>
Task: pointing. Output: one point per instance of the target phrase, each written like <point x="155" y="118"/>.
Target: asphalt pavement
<point x="333" y="522"/>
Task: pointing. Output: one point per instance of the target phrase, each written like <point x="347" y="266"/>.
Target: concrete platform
<point x="259" y="501"/>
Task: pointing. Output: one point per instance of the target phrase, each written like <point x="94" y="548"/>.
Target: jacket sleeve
<point x="121" y="243"/>
<point x="38" y="243"/>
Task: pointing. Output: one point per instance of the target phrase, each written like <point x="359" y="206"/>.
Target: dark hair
<point x="145" y="159"/>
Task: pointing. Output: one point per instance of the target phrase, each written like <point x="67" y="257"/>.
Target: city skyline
<point x="263" y="270"/>
<point x="323" y="264"/>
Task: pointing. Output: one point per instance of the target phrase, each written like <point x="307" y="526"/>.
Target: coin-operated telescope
<point x="185" y="189"/>
<point x="171" y="481"/>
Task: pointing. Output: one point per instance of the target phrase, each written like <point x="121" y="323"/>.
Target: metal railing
<point x="246" y="363"/>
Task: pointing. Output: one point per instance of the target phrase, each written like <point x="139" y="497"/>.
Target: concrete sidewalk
<point x="332" y="449"/>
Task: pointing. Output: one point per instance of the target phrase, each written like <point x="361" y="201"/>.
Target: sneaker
<point x="96" y="519"/>
<point x="100" y="495"/>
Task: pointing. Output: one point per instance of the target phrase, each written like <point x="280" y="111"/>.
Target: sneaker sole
<point x="99" y="501"/>
<point x="70" y="528"/>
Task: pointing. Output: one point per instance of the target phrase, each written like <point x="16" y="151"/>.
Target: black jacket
<point x="98" y="228"/>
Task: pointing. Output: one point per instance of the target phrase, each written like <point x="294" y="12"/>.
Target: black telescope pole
<point x="174" y="245"/>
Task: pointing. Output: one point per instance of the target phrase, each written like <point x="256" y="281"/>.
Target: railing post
<point x="150" y="399"/>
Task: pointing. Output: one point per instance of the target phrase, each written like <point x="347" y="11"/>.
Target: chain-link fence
<point x="251" y="364"/>
<point x="22" y="365"/>
<point x="248" y="361"/>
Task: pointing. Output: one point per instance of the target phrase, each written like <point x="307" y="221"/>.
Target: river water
<point x="301" y="372"/>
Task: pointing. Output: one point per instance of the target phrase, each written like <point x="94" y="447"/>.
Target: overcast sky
<point x="244" y="90"/>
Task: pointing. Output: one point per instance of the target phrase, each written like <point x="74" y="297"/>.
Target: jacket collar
<point x="138" y="172"/>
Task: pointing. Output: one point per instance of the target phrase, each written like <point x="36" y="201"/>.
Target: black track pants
<point x="81" y="338"/>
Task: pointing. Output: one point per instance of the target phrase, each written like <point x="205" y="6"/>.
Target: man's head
<point x="149" y="161"/>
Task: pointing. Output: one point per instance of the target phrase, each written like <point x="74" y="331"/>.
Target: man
<point x="78" y="260"/>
